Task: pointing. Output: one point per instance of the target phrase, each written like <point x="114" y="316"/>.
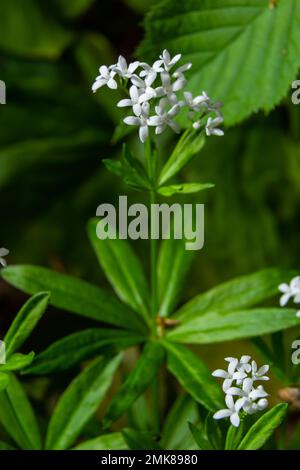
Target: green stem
<point x="153" y="262"/>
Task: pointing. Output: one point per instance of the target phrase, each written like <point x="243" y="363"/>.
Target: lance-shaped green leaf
<point x="136" y="383"/>
<point x="173" y="264"/>
<point x="122" y="268"/>
<point x="80" y="402"/>
<point x="4" y="379"/>
<point x="17" y="417"/>
<point x="217" y="35"/>
<point x="73" y="294"/>
<point x="72" y="349"/>
<point x="193" y="375"/>
<point x="113" y="441"/>
<point x="74" y="8"/>
<point x="175" y="431"/>
<point x="263" y="428"/>
<point x="137" y="440"/>
<point x="43" y="39"/>
<point x="17" y="362"/>
<point x="214" y="327"/>
<point x="200" y="437"/>
<point x="25" y="321"/>
<point x="236" y="294"/>
<point x="187" y="188"/>
<point x="187" y="148"/>
<point x="5" y="446"/>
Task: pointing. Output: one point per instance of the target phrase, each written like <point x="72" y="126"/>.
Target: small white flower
<point x="249" y="398"/>
<point x="151" y="70"/>
<point x="145" y="86"/>
<point x="3" y="252"/>
<point x="230" y="375"/>
<point x="165" y="118"/>
<point x="260" y="373"/>
<point x="136" y="99"/>
<point x="170" y="88"/>
<point x="289" y="291"/>
<point x="180" y="71"/>
<point x="167" y="61"/>
<point x="195" y="103"/>
<point x="141" y="120"/>
<point x="106" y="77"/>
<point x="211" y="127"/>
<point x="232" y="410"/>
<point x="124" y="70"/>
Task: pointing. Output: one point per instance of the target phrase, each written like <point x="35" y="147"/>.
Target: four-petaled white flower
<point x="160" y="87"/>
<point x="170" y="88"/>
<point x="232" y="410"/>
<point x="259" y="374"/>
<point x="140" y="119"/>
<point x="136" y="99"/>
<point x="168" y="61"/>
<point x="239" y="383"/>
<point x="165" y="118"/>
<point x="230" y="375"/>
<point x="123" y="69"/>
<point x="3" y="252"/>
<point x="106" y="77"/>
<point x="291" y="290"/>
<point x="211" y="127"/>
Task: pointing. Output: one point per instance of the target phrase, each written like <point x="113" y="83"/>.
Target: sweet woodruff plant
<point x="149" y="315"/>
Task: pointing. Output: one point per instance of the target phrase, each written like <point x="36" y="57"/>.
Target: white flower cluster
<point x="291" y="290"/>
<point x="239" y="381"/>
<point x="3" y="252"/>
<point x="153" y="95"/>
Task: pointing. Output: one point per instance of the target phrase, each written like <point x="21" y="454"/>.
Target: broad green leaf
<point x="263" y="428"/>
<point x="73" y="8"/>
<point x="123" y="269"/>
<point x="72" y="294"/>
<point x="136" y="383"/>
<point x="4" y="379"/>
<point x="217" y="36"/>
<point x="43" y="38"/>
<point x="17" y="362"/>
<point x="186" y="188"/>
<point x="200" y="437"/>
<point x="188" y="147"/>
<point x="80" y="402"/>
<point x="25" y="321"/>
<point x="175" y="430"/>
<point x="236" y="294"/>
<point x="193" y="375"/>
<point x="72" y="349"/>
<point x="137" y="440"/>
<point x="113" y="441"/>
<point x="173" y="264"/>
<point x="17" y="417"/>
<point x="214" y="327"/>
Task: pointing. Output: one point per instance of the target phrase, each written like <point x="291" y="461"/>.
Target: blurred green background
<point x="54" y="133"/>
